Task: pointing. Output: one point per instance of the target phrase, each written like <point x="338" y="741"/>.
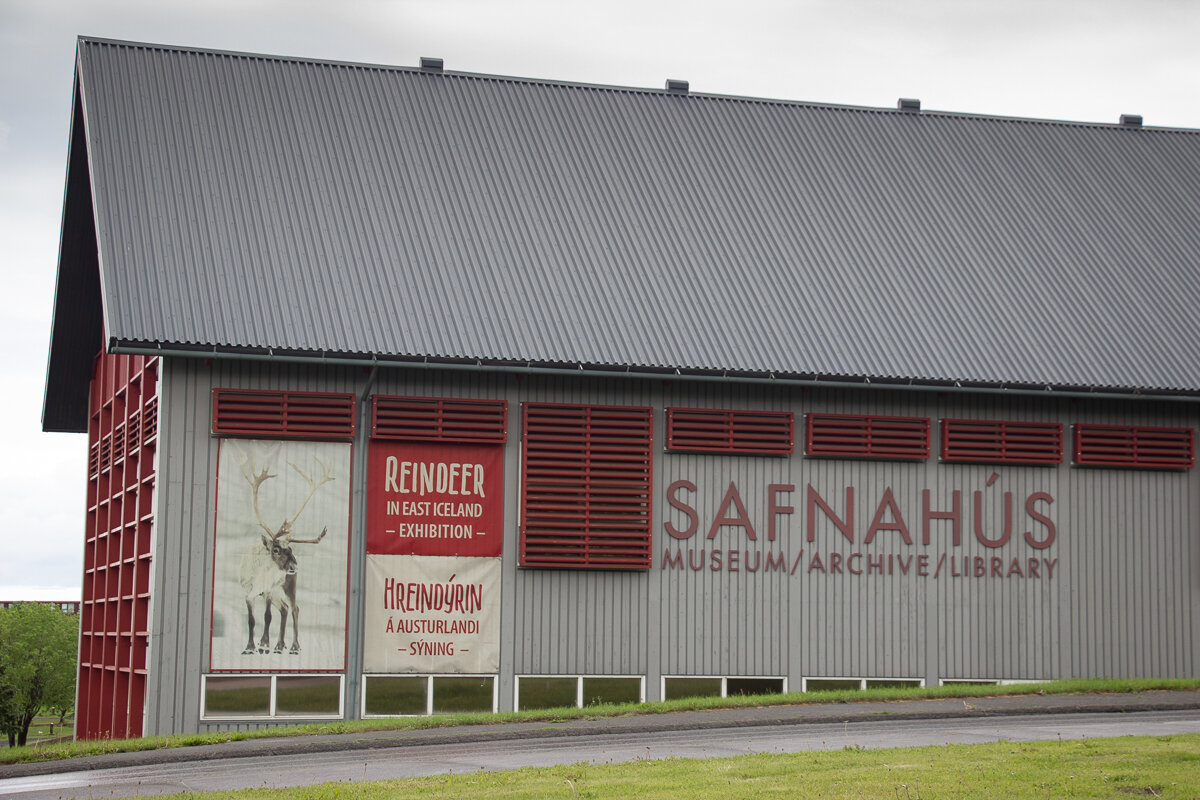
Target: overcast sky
<point x="1062" y="59"/>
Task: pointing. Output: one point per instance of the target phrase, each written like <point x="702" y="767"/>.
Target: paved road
<point x="279" y="770"/>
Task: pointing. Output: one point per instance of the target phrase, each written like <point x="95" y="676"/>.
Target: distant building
<point x="410" y="390"/>
<point x="67" y="607"/>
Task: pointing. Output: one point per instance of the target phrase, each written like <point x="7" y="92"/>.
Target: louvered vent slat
<point x="150" y="422"/>
<point x="134" y="433"/>
<point x="1130" y="446"/>
<point x="118" y="443"/>
<point x="858" y="436"/>
<point x="725" y="431"/>
<point x="437" y="419"/>
<point x="294" y="415"/>
<point x="1001" y="441"/>
<point x="585" y="493"/>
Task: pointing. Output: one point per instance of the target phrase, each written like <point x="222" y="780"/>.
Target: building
<point x="70" y="607"/>
<point x="411" y="390"/>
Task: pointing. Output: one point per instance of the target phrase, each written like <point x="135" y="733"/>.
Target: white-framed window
<point x="565" y="691"/>
<point x="675" y="687"/>
<point x="258" y="696"/>
<point x="988" y="681"/>
<point x="834" y="684"/>
<point x="403" y="695"/>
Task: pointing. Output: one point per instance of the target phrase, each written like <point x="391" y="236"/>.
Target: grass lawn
<point x="46" y="729"/>
<point x="1149" y="766"/>
<point x="1099" y="686"/>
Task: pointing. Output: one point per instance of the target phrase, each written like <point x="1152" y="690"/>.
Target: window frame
<point x="579" y="679"/>
<point x="272" y="708"/>
<point x="429" y="678"/>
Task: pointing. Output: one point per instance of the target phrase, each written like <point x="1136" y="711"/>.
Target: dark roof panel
<point x="250" y="201"/>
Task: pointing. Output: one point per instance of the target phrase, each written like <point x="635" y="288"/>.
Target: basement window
<point x="439" y="419"/>
<point x="575" y="691"/>
<point x="680" y="686"/>
<point x="861" y="436"/>
<point x="282" y="415"/>
<point x="1135" y="447"/>
<point x="585" y="488"/>
<point x="272" y="696"/>
<point x="697" y="430"/>
<point x="986" y="441"/>
<point x="424" y="695"/>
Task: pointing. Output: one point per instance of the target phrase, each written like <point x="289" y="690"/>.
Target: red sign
<point x="435" y="499"/>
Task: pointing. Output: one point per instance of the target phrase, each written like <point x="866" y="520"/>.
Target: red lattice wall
<point x="113" y="625"/>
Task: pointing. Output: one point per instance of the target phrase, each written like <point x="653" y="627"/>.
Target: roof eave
<point x="644" y="372"/>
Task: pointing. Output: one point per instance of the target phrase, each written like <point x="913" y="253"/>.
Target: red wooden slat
<point x="585" y="489"/>
<point x="439" y="419"/>
<point x="729" y="431"/>
<point x="1132" y="446"/>
<point x="1001" y="441"/>
<point x="859" y="436"/>
<point x="117" y="553"/>
<point x="292" y="415"/>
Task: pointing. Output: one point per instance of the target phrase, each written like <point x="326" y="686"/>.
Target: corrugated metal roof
<point x="259" y="202"/>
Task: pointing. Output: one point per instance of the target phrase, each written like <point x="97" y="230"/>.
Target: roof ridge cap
<point x="736" y="98"/>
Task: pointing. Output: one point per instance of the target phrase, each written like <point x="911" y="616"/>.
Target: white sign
<point x="432" y="614"/>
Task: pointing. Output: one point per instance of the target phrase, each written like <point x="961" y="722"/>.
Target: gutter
<point x="642" y="374"/>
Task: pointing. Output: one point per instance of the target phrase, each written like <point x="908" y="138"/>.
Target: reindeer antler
<point x="256" y="480"/>
<point x="313" y="485"/>
<point x="320" y="536"/>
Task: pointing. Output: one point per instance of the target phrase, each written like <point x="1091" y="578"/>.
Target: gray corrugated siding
<point x="262" y="202"/>
<point x="1123" y="602"/>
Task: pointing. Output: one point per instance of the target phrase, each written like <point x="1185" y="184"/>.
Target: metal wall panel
<point x="181" y="604"/>
<point x="577" y="621"/>
<point x="1122" y="601"/>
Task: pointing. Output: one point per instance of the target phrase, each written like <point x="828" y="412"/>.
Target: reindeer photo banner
<point x="280" y="556"/>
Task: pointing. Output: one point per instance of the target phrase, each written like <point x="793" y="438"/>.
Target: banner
<point x="280" y="556"/>
<point x="430" y="614"/>
<point x="435" y="499"/>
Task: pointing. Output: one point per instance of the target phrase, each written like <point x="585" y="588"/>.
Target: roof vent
<point x="431" y="64"/>
<point x="1131" y="120"/>
<point x="675" y="86"/>
<point x="908" y="104"/>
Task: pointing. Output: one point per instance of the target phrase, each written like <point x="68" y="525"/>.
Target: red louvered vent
<point x="721" y="431"/>
<point x="118" y="443"/>
<point x="585" y="488"/>
<point x="106" y="453"/>
<point x="293" y="415"/>
<point x="855" y="436"/>
<point x="94" y="461"/>
<point x="150" y="422"/>
<point x="1129" y="446"/>
<point x="1001" y="442"/>
<point x="133" y="435"/>
<point x="437" y="419"/>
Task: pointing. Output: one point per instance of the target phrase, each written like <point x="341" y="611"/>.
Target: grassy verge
<point x="1161" y="766"/>
<point x="46" y="728"/>
<point x="76" y="749"/>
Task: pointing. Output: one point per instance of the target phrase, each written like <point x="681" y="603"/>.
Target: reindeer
<point x="270" y="571"/>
